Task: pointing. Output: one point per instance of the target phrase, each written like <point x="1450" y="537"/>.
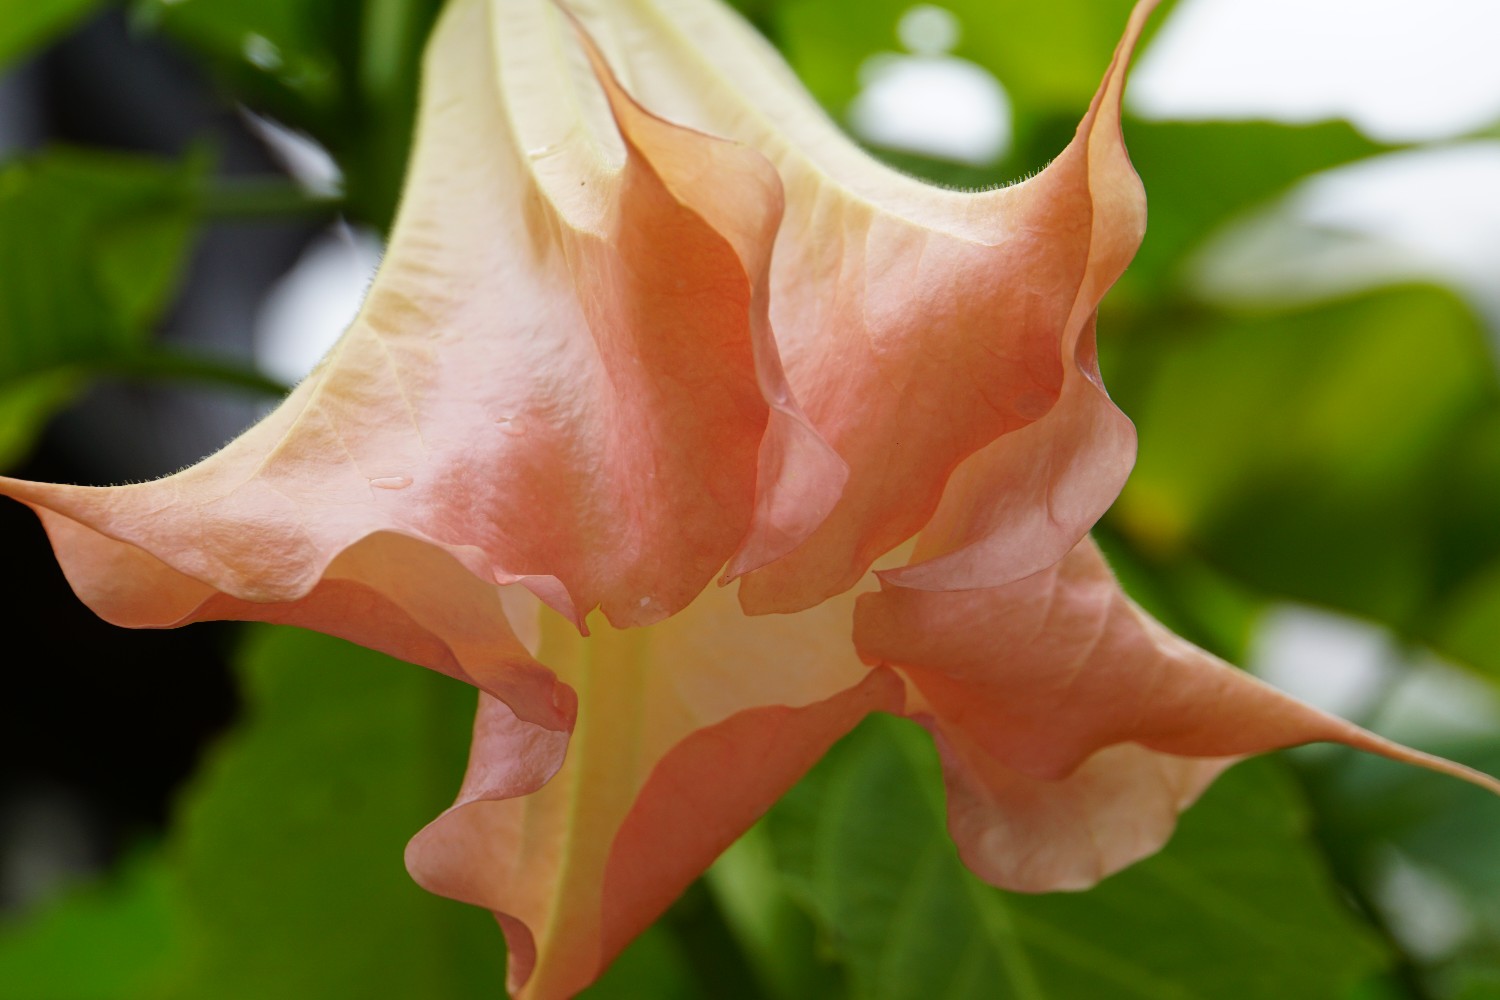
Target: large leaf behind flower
<point x="292" y="837"/>
<point x="284" y="876"/>
<point x="1234" y="905"/>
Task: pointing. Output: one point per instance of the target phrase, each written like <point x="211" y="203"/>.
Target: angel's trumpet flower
<point x="646" y="316"/>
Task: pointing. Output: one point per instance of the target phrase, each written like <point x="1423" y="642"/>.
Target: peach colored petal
<point x="687" y="732"/>
<point x="1011" y="508"/>
<point x="918" y="326"/>
<point x="1028" y="682"/>
<point x="1029" y="835"/>
<point x="387" y="591"/>
<point x="563" y="377"/>
<point x="1017" y="505"/>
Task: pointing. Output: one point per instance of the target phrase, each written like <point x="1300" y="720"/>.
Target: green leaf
<point x="345" y="71"/>
<point x="1049" y="57"/>
<point x="129" y="929"/>
<point x="275" y="48"/>
<point x="92" y="245"/>
<point x="31" y="24"/>
<point x="1236" y="908"/>
<point x="290" y="843"/>
<point x="1311" y="454"/>
<point x="654" y="964"/>
<point x="1447" y="827"/>
<point x="775" y="931"/>
<point x="1247" y="163"/>
<point x="284" y="875"/>
<point x="25" y="407"/>
<point x="1470" y="629"/>
<point x="1374" y="815"/>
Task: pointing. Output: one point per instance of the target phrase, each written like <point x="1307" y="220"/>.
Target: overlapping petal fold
<point x="919" y="327"/>
<point x="1060" y="706"/>
<point x="687" y="732"/>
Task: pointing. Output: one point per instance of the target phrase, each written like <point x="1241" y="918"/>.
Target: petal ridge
<point x="800" y="476"/>
<point x="1019" y="504"/>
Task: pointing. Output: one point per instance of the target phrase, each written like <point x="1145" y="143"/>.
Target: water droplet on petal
<point x="515" y="426"/>
<point x="391" y="482"/>
<point x="542" y="151"/>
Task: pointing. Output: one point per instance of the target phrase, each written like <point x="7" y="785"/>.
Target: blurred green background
<point x="1310" y="357"/>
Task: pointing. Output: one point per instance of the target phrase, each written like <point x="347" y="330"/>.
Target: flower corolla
<point x="647" y="319"/>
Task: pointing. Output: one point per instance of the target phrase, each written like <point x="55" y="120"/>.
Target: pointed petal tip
<point x="1055" y="698"/>
<point x="1363" y="739"/>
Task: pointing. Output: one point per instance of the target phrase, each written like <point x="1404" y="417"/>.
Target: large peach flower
<point x="647" y="317"/>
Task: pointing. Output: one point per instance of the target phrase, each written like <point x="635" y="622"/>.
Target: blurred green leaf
<point x="26" y="404"/>
<point x="1234" y="904"/>
<point x="29" y="24"/>
<point x="345" y="71"/>
<point x="653" y="965"/>
<point x="1307" y="452"/>
<point x="1200" y="175"/>
<point x="1469" y="629"/>
<point x="1050" y="58"/>
<point x="774" y="929"/>
<point x="117" y="941"/>
<point x="289" y="844"/>
<point x="1467" y="619"/>
<point x="1447" y="827"/>
<point x="92" y="244"/>
<point x="1374" y="815"/>
<point x="284" y="875"/>
<point x="274" y="48"/>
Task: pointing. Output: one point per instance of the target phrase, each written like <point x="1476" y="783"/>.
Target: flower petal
<point x="1039" y="676"/>
<point x="917" y="325"/>
<point x="687" y="732"/>
<point x="387" y="591"/>
<point x="1029" y="835"/>
<point x="563" y="377"/>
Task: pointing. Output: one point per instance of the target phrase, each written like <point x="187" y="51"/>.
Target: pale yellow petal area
<point x="1042" y="681"/>
<point x="687" y="732"/>
<point x="918" y="326"/>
